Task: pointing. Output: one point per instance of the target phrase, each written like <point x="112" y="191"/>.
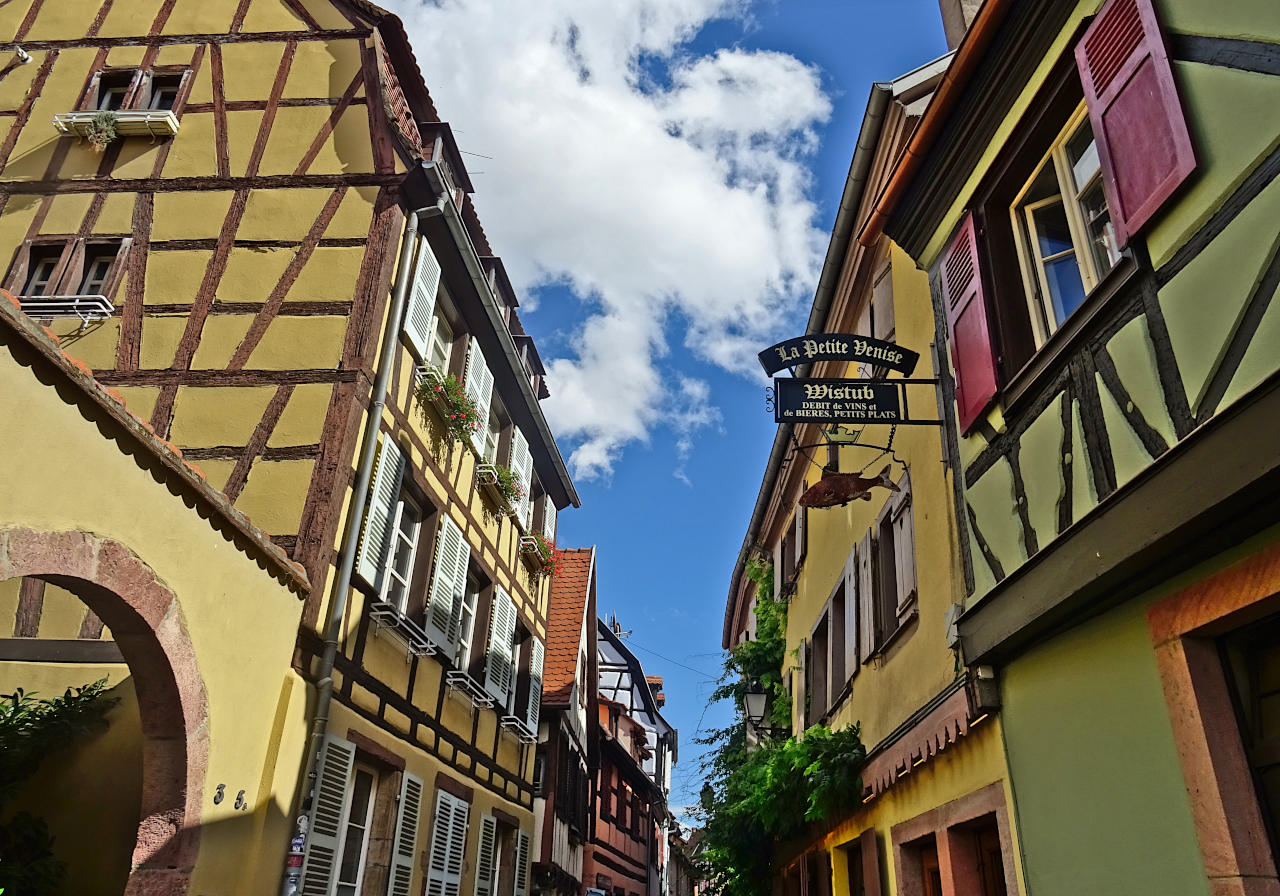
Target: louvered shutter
<point x="870" y="848"/>
<point x="522" y="864"/>
<point x="499" y="664"/>
<point x="852" y="628"/>
<point x="521" y="463"/>
<point x="866" y="601"/>
<point x="384" y="494"/>
<point x="904" y="542"/>
<point x="480" y="390"/>
<point x="1138" y="122"/>
<point x="448" y="845"/>
<point x="324" y="836"/>
<point x="448" y="582"/>
<point x="548" y="518"/>
<point x="802" y="673"/>
<point x="537" y="653"/>
<point x="967" y="327"/>
<point x="404" y="846"/>
<point x="420" y="313"/>
<point x="802" y="532"/>
<point x="485" y="856"/>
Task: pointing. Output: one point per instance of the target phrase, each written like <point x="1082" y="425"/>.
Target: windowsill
<point x="416" y="642"/>
<point x="467" y="688"/>
<point x="128" y="122"/>
<point x="516" y="727"/>
<point x="1047" y="361"/>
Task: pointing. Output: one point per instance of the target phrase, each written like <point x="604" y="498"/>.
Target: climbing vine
<point x="761" y="796"/>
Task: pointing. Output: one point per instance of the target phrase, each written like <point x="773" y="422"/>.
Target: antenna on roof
<point x="616" y="627"/>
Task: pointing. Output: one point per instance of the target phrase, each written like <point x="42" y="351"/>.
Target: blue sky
<point x="661" y="177"/>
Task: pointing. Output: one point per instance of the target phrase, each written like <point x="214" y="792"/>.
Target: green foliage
<point x="101" y="131"/>
<point x="460" y="414"/>
<point x="509" y="485"/>
<point x="30" y="730"/>
<point x="764" y="795"/>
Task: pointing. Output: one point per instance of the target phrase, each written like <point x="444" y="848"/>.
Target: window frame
<point x="414" y="542"/>
<point x="69" y="268"/>
<point x="360" y="765"/>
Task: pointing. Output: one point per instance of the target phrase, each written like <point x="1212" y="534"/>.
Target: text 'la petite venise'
<point x="858" y="348"/>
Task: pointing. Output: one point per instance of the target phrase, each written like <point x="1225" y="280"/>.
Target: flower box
<point x="447" y="396"/>
<point x="540" y="554"/>
<point x="128" y="122"/>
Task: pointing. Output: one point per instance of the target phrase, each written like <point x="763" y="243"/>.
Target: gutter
<point x="458" y="230"/>
<point x="967" y="56"/>
<point x="854" y="187"/>
<point x="359" y="498"/>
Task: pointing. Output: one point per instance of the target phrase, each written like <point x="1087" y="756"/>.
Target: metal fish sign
<point x="838" y="489"/>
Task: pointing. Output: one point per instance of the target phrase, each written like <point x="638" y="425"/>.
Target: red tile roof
<point x="569" y="592"/>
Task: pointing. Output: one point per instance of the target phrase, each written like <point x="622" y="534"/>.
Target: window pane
<point x="441" y="342"/>
<point x="1053" y="233"/>
<point x="96" y="267"/>
<point x="1066" y="289"/>
<point x="39" y="276"/>
<point x="357" y="822"/>
<point x="1082" y="152"/>
<point x="1102" y="235"/>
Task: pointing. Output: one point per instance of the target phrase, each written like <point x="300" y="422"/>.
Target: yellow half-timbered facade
<point x="248" y="220"/>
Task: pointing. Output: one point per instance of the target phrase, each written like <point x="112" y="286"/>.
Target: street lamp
<point x="754" y="702"/>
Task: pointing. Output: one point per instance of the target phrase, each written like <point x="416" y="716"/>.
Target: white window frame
<point x="348" y="800"/>
<point x="391" y="579"/>
<point x="467" y="623"/>
<point x="1034" y="275"/>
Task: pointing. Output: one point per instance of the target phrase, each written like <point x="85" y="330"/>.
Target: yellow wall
<point x="241" y="622"/>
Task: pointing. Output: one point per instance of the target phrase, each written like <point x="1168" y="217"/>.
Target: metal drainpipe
<point x="359" y="497"/>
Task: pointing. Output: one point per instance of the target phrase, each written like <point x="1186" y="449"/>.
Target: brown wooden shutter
<point x="1142" y="135"/>
<point x="17" y="277"/>
<point x="852" y="632"/>
<point x="870" y="862"/>
<point x="866" y="601"/>
<point x="967" y="327"/>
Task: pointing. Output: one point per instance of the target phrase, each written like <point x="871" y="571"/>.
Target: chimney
<point x="957" y="16"/>
<point x="655" y="688"/>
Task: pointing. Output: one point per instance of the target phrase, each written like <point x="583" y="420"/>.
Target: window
<point x="1066" y="241"/>
<point x="355" y="827"/>
<point x="492" y="435"/>
<point x="164" y="91"/>
<point x="61" y="267"/>
<point x="42" y="266"/>
<point x="467" y="622"/>
<point x="1060" y="203"/>
<point x="113" y="88"/>
<point x="441" y="342"/>
<point x="821" y="644"/>
<point x="878" y="591"/>
<point x="398" y="572"/>
<point x="499" y="666"/>
<point x="448" y="844"/>
<point x="1252" y="658"/>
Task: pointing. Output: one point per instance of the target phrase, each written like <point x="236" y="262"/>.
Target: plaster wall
<point x="1202" y="306"/>
<point x="241" y="623"/>
<point x="917" y="665"/>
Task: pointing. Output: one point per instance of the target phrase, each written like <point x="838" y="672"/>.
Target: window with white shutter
<point x="537" y="654"/>
<point x="405" y="844"/>
<point x="443" y="616"/>
<point x="866" y="600"/>
<point x="486" y="864"/>
<point x="520" y="460"/>
<point x="379" y="515"/>
<point x="522" y="864"/>
<point x="328" y="811"/>
<point x="852" y="627"/>
<point x="548" y="518"/>
<point x="420" y="314"/>
<point x="448" y="845"/>
<point x="479" y="385"/>
<point x="499" y="667"/>
<point x="904" y="546"/>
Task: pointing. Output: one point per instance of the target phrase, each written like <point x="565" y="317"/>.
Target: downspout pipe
<point x="359" y="499"/>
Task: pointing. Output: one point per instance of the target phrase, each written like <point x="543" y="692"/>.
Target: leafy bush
<point x="30" y="730"/>
<point x="764" y="795"/>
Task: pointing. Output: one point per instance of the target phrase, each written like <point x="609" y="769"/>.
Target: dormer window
<point x="164" y="91"/>
<point x="41" y="267"/>
<point x="98" y="260"/>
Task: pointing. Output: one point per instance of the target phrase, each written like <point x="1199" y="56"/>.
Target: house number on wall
<point x="221" y="793"/>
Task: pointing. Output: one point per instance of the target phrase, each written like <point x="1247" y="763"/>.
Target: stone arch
<point x="147" y="624"/>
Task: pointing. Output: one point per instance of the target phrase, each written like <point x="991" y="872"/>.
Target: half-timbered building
<point x="247" y="218"/>
<point x="568" y="739"/>
<point x="1094" y="192"/>
<point x="627" y="851"/>
<point x="871" y="586"/>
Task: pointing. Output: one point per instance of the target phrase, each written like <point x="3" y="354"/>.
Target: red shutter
<point x="1137" y="120"/>
<point x="971" y="352"/>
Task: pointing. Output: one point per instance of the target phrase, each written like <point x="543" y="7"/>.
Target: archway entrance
<point x="145" y="621"/>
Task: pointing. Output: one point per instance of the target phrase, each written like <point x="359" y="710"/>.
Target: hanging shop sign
<point x="838" y="347"/>
<point x="813" y="400"/>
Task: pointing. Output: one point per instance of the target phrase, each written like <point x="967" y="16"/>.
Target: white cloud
<point x="681" y="197"/>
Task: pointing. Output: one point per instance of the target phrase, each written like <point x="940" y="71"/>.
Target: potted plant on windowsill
<point x="448" y="396"/>
<point x="502" y="485"/>
<point x="101" y="131"/>
<point x="541" y="554"/>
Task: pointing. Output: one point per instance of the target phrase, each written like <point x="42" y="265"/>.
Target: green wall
<point x="1099" y="794"/>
